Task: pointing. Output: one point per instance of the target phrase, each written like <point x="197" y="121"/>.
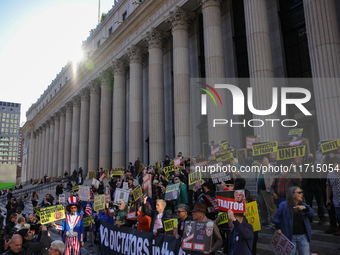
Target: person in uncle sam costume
<point x="73" y="227"/>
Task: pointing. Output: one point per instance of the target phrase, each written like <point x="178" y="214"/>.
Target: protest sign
<point x="295" y="132"/>
<point x="52" y="213"/>
<point x="222" y="218"/>
<point x="178" y="162"/>
<point x="121" y="194"/>
<point x="131" y="213"/>
<point x="225" y="155"/>
<point x="75" y="188"/>
<point x="251" y="140"/>
<point x="117" y="173"/>
<point x="295" y="143"/>
<point x="231" y="200"/>
<point x="88" y="220"/>
<point x="286" y="154"/>
<point x="172" y="192"/>
<point x="197" y="235"/>
<point x="169" y="170"/>
<point x="36" y="211"/>
<point x="210" y="202"/>
<point x="252" y="215"/>
<point x="330" y="147"/>
<point x="280" y="244"/>
<point x="95" y="183"/>
<point x="121" y="241"/>
<point x="84" y="193"/>
<point x="102" y="177"/>
<point x="169" y="225"/>
<point x="147" y="189"/>
<point x="61" y="198"/>
<point x="261" y="150"/>
<point x="195" y="180"/>
<point x="125" y="185"/>
<point x="218" y="177"/>
<point x="99" y="203"/>
<point x="137" y="193"/>
<point x="107" y="198"/>
<point x="214" y="149"/>
<point x="224" y="145"/>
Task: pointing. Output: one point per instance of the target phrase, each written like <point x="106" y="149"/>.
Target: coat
<point x="284" y="221"/>
<point x="78" y="228"/>
<point x="291" y="180"/>
<point x="153" y="215"/>
<point x="242" y="237"/>
<point x="183" y="195"/>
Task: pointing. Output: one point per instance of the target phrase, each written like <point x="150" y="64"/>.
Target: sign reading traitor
<point x="231" y="200"/>
<point x="172" y="192"/>
<point x="52" y="213"/>
<point x="197" y="235"/>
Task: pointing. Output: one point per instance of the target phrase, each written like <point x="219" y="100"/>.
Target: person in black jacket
<point x="183" y="212"/>
<point x="16" y="247"/>
<point x="9" y="195"/>
<point x="158" y="216"/>
<point x="59" y="189"/>
<point x="39" y="244"/>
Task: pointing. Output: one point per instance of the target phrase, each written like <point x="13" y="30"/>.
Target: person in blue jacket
<point x="292" y="219"/>
<point x="241" y="236"/>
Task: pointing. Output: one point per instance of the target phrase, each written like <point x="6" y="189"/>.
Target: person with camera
<point x="15" y="246"/>
<point x="39" y="243"/>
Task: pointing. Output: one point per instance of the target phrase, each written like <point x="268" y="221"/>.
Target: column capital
<point x="135" y="54"/>
<point x="94" y="86"/>
<point x="47" y="124"/>
<point x="155" y="38"/>
<point x="85" y="94"/>
<point x="28" y="135"/>
<point x="76" y="101"/>
<point x="180" y="19"/>
<point x="62" y="112"/>
<point x="209" y="3"/>
<point x="52" y="120"/>
<point x="69" y="106"/>
<point x="57" y="116"/>
<point x="35" y="134"/>
<point x="119" y="66"/>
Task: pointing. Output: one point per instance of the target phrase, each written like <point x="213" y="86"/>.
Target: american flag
<point x="88" y="210"/>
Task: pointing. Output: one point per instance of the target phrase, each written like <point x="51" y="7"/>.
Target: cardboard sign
<point x="88" y="220"/>
<point x="169" y="226"/>
<point x="99" y="203"/>
<point x="137" y="193"/>
<point x="291" y="152"/>
<point x="224" y="145"/>
<point x="102" y="177"/>
<point x="117" y="173"/>
<point x="214" y="149"/>
<point x="210" y="202"/>
<point x="36" y="211"/>
<point x="231" y="200"/>
<point x="261" y="150"/>
<point x="295" y="132"/>
<point x="222" y="218"/>
<point x="198" y="235"/>
<point x="178" y="162"/>
<point x="52" y="213"/>
<point x="172" y="192"/>
<point x="251" y="140"/>
<point x="131" y="213"/>
<point x="330" y="147"/>
<point x="147" y="189"/>
<point x="84" y="193"/>
<point x="95" y="183"/>
<point x="170" y="169"/>
<point x="75" y="188"/>
<point x="121" y="194"/>
<point x="295" y="143"/>
<point x="252" y="215"/>
<point x="61" y="198"/>
<point x="225" y="155"/>
<point x="125" y="185"/>
<point x="280" y="244"/>
<point x="107" y="198"/>
<point x="195" y="180"/>
<point x="219" y="177"/>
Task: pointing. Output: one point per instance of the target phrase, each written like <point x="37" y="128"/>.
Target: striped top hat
<point x="72" y="201"/>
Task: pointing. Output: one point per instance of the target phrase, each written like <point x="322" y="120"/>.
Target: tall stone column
<point x="93" y="164"/>
<point x="118" y="124"/>
<point x="84" y="129"/>
<point x="68" y="137"/>
<point x="56" y="144"/>
<point x="105" y="134"/>
<point x="75" y="133"/>
<point x="180" y="20"/>
<point x="214" y="66"/>
<point x="36" y="154"/>
<point x="50" y="149"/>
<point x="31" y="153"/>
<point x="261" y="68"/>
<point x="42" y="151"/>
<point x="61" y="148"/>
<point x="135" y="55"/>
<point x="155" y="40"/>
<point x="46" y="147"/>
<point x="324" y="51"/>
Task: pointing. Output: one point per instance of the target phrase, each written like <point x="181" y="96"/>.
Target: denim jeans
<point x="337" y="211"/>
<point x="279" y="201"/>
<point x="301" y="244"/>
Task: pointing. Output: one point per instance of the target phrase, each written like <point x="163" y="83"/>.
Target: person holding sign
<point x="292" y="219"/>
<point x="183" y="216"/>
<point x="121" y="213"/>
<point x="241" y="236"/>
<point x="158" y="217"/>
<point x="73" y="226"/>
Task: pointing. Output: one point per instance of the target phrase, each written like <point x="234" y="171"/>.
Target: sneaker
<point x="337" y="233"/>
<point x="331" y="230"/>
<point x="322" y="221"/>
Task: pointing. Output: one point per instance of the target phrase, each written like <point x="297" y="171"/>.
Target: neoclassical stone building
<point x="133" y="96"/>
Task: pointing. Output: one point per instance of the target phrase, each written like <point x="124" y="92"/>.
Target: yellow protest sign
<point x="88" y="220"/>
<point x="99" y="203"/>
<point x="264" y="148"/>
<point x="194" y="178"/>
<point x="36" y="210"/>
<point x="291" y="152"/>
<point x="137" y="193"/>
<point x="222" y="218"/>
<point x="252" y="215"/>
<point x="170" y="224"/>
<point x="225" y="155"/>
<point x="169" y="169"/>
<point x="75" y="188"/>
<point x="331" y="146"/>
<point x="224" y="145"/>
<point x="117" y="173"/>
<point x="295" y="131"/>
<point x="52" y="213"/>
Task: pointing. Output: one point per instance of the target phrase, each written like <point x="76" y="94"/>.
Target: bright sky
<point x="37" y="38"/>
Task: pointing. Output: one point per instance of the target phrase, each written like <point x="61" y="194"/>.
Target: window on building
<point x="124" y="15"/>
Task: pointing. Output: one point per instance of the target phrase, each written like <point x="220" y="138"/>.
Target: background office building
<point x="132" y="96"/>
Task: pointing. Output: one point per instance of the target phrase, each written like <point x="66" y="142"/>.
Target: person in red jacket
<point x="144" y="221"/>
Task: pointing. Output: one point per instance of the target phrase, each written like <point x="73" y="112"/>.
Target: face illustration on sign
<point x="239" y="196"/>
<point x="174" y="194"/>
<point x="58" y="215"/>
<point x="188" y="229"/>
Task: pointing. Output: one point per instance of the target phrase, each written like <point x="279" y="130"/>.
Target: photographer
<point x="39" y="244"/>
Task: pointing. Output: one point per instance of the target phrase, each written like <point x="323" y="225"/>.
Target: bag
<point x="97" y="238"/>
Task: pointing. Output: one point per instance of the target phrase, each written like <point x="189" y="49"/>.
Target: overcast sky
<point x="38" y="37"/>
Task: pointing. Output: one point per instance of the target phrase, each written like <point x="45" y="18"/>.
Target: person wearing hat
<point x="199" y="214"/>
<point x="39" y="244"/>
<point x="73" y="226"/>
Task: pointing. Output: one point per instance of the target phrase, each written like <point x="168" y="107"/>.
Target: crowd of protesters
<point x="284" y="201"/>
